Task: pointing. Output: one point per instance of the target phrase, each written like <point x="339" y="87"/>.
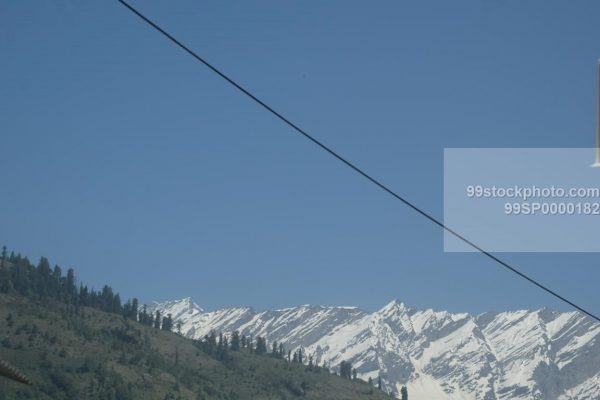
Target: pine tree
<point x="167" y="323"/>
<point x="157" y="320"/>
<point x="354" y="373"/>
<point x="222" y="347"/>
<point x="235" y="341"/>
<point x="379" y="385"/>
<point x="107" y="299"/>
<point x="143" y="315"/>
<point x="5" y="275"/>
<point x="127" y="309"/>
<point x="116" y="304"/>
<point x="42" y="278"/>
<point x="404" y="393"/>
<point x="370" y="381"/>
<point x="3" y="259"/>
<point x="346" y="370"/>
<point x="134" y="308"/>
<point x="5" y="280"/>
<point x="212" y="341"/>
<point x="261" y="345"/>
<point x="70" y="287"/>
<point x="22" y="276"/>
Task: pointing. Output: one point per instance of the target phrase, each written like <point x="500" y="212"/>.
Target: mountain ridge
<point x="521" y="354"/>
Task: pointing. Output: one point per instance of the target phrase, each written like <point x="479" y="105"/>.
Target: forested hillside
<point x="77" y="343"/>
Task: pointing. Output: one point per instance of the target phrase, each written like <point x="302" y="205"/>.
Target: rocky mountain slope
<point x="524" y="354"/>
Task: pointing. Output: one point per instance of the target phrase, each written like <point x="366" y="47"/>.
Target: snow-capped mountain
<point x="539" y="354"/>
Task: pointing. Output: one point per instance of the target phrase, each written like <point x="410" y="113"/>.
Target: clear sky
<point x="126" y="159"/>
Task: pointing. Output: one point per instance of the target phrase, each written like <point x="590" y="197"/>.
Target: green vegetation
<point x="76" y="343"/>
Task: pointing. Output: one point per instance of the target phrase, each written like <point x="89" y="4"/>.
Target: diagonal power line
<point x="355" y="168"/>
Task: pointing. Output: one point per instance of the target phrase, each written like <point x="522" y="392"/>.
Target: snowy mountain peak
<point x="189" y="303"/>
<point x="394" y="306"/>
<point x="522" y="354"/>
<point x="177" y="308"/>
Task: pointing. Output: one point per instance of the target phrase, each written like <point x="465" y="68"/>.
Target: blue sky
<point x="126" y="159"/>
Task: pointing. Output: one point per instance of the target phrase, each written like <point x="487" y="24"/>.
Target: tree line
<point x="220" y="346"/>
<point x="42" y="282"/>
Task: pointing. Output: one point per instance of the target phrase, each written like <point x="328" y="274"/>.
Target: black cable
<point x="354" y="167"/>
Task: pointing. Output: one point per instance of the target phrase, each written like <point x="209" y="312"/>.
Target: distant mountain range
<point x="540" y="354"/>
